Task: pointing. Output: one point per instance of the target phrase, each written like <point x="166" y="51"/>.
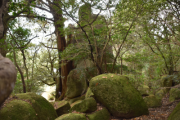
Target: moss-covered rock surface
<point x="28" y="106"/>
<point x="174" y="94"/>
<point x="102" y="114"/>
<point x="84" y="106"/>
<point x="63" y="107"/>
<point x="117" y="94"/>
<point x="144" y="90"/>
<point x="89" y="93"/>
<point x="161" y="93"/>
<point x="18" y="110"/>
<point x="76" y="83"/>
<point x="166" y="81"/>
<point x="72" y="100"/>
<point x="72" y="116"/>
<point x="152" y="101"/>
<point x="175" y="115"/>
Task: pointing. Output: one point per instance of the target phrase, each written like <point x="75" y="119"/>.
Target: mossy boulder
<point x="161" y="93"/>
<point x="175" y="115"/>
<point x="28" y="106"/>
<point x="152" y="101"/>
<point x="18" y="110"/>
<point x="117" y="94"/>
<point x="144" y="90"/>
<point x="76" y="83"/>
<point x="44" y="109"/>
<point x="84" y="106"/>
<point x="102" y="114"/>
<point x="174" y="94"/>
<point x="63" y="107"/>
<point x="75" y="99"/>
<point x="166" y="81"/>
<point x="89" y="93"/>
<point x="72" y="116"/>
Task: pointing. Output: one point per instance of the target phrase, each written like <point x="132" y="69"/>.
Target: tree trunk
<point x="64" y="66"/>
<point x="3" y="12"/>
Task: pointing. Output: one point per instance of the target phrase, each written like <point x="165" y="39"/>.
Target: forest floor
<point x="159" y="113"/>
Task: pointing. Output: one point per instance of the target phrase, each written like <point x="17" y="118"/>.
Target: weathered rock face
<point x="28" y="106"/>
<point x="8" y="75"/>
<point x="76" y="83"/>
<point x="175" y="113"/>
<point x="118" y="95"/>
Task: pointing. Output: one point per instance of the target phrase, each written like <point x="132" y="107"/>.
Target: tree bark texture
<point x="3" y="12"/>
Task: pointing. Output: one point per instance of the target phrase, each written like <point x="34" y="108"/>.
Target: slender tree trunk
<point x="121" y="65"/>
<point x="21" y="73"/>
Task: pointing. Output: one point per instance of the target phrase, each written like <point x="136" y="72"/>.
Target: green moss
<point x="75" y="99"/>
<point x="161" y="93"/>
<point x="102" y="114"/>
<point x="174" y="94"/>
<point x="166" y="81"/>
<point x="118" y="95"/>
<point x="84" y="106"/>
<point x="76" y="83"/>
<point x="175" y="113"/>
<point x="89" y="93"/>
<point x="144" y="90"/>
<point x="152" y="101"/>
<point x="63" y="107"/>
<point x="44" y="109"/>
<point x="18" y="110"/>
<point x="72" y="116"/>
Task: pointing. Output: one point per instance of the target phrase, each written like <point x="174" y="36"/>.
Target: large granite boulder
<point x="72" y="116"/>
<point x="84" y="106"/>
<point x="8" y="75"/>
<point x="28" y="106"/>
<point x="175" y="115"/>
<point x="117" y="94"/>
<point x="102" y="114"/>
<point x="174" y="94"/>
<point x="76" y="83"/>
